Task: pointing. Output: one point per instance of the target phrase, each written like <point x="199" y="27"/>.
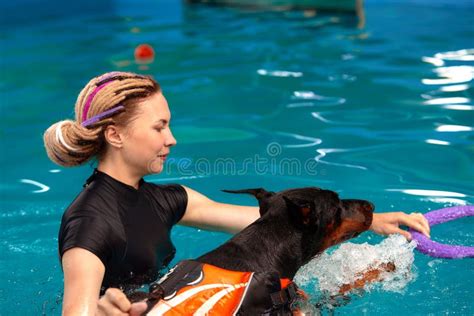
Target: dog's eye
<point x="350" y="235"/>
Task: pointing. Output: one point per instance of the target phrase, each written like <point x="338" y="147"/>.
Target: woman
<point x="116" y="233"/>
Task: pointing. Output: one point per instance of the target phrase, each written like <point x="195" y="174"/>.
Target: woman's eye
<point x="159" y="129"/>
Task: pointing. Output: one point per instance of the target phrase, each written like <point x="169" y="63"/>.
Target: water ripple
<point x="454" y="128"/>
<point x="422" y="192"/>
<point x="453" y="100"/>
<point x="300" y="105"/>
<point x="319" y="99"/>
<point x="324" y="151"/>
<point x="460" y="55"/>
<point x="43" y="187"/>
<point x="459" y="107"/>
<point x="451" y="75"/>
<point x="311" y="141"/>
<point x="279" y="73"/>
<point x="437" y="142"/>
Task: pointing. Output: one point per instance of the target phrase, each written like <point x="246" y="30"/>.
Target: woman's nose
<point x="170" y="140"/>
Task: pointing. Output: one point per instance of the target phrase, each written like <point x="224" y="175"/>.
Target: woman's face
<point x="148" y="138"/>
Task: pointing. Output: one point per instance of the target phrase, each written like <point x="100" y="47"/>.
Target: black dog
<point x="294" y="226"/>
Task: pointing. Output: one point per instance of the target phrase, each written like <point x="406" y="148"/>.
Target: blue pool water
<point x="274" y="100"/>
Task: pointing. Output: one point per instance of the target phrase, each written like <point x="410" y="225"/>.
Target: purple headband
<point x="90" y="98"/>
<point x="96" y="90"/>
<point x="86" y="122"/>
<point x="102" y="115"/>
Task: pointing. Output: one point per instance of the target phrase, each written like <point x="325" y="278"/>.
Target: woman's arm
<point x="83" y="274"/>
<point x="205" y="213"/>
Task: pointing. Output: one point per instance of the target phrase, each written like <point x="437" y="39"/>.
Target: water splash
<point x="343" y="266"/>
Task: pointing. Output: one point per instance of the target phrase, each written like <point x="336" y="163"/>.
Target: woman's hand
<point x="388" y="223"/>
<point x="114" y="302"/>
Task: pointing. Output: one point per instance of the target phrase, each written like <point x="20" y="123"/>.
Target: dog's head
<point x="323" y="218"/>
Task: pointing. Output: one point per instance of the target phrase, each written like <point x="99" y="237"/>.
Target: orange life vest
<point x="194" y="288"/>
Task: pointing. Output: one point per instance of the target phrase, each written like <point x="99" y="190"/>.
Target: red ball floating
<point x="144" y="53"/>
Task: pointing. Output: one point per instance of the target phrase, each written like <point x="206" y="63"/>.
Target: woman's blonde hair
<point x="108" y="99"/>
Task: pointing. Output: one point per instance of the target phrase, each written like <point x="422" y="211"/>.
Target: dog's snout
<point x="368" y="206"/>
<point x="368" y="209"/>
<point x="368" y="220"/>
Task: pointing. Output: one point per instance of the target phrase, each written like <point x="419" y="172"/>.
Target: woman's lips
<point x="163" y="156"/>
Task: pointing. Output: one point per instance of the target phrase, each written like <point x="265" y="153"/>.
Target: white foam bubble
<point x="328" y="272"/>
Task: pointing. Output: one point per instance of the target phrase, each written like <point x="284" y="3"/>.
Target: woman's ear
<point x="113" y="136"/>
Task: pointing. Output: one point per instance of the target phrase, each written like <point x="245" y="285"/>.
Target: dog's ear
<point x="302" y="213"/>
<point x="261" y="194"/>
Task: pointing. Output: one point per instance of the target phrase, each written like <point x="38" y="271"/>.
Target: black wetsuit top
<point x="127" y="229"/>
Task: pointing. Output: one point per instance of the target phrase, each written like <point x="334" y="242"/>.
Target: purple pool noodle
<point x="434" y="249"/>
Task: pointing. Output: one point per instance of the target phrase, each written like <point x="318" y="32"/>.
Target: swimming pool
<point x="385" y="113"/>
